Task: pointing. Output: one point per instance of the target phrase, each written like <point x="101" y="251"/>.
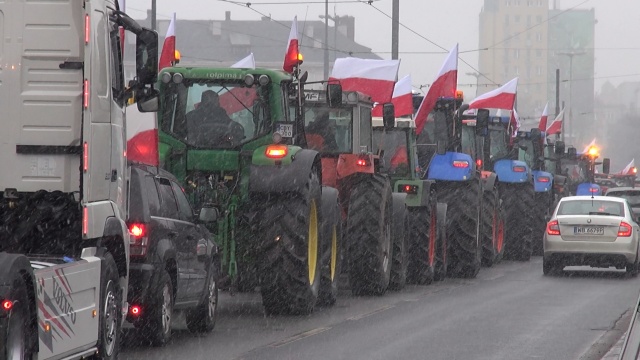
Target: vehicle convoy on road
<point x="173" y="261"/>
<point x="64" y="243"/>
<point x="579" y="169"/>
<point x="426" y="244"/>
<point x="229" y="138"/>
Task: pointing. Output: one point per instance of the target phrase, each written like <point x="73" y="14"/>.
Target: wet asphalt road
<point x="510" y="311"/>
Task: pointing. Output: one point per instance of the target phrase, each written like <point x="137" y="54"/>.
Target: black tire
<point x="542" y="206"/>
<point x="632" y="269"/>
<point x="202" y="319"/>
<point x="288" y="260"/>
<point x="15" y="345"/>
<point x="490" y="223"/>
<point x="463" y="228"/>
<point x="158" y="315"/>
<point x="440" y="270"/>
<point x="422" y="245"/>
<point x="332" y="254"/>
<point x="110" y="328"/>
<point x="369" y="234"/>
<point x="518" y="201"/>
<point x="550" y="267"/>
<point x="399" y="237"/>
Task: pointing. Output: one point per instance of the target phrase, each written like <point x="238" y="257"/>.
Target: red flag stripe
<point x="444" y="86"/>
<point x="379" y="90"/>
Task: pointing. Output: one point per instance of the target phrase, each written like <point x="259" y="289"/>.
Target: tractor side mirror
<point x="334" y="95"/>
<point x="441" y="147"/>
<point x="147" y="57"/>
<point x="388" y="116"/>
<point x="209" y="214"/>
<point x="482" y="122"/>
<point x="606" y="165"/>
<point x="559" y="147"/>
<point x="148" y="102"/>
<point x="572" y="152"/>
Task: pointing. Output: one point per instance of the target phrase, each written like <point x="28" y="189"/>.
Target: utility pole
<point x="153" y="14"/>
<point x="557" y="92"/>
<point x="395" y="28"/>
<point x="562" y="122"/>
<point x="326" y="39"/>
<point x="571" y="54"/>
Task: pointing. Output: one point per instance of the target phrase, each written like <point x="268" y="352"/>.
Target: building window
<point x="508" y="2"/>
<point x="516" y="54"/>
<point x="538" y="36"/>
<point x="539" y="69"/>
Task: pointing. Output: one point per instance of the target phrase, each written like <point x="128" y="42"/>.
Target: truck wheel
<point x="202" y="319"/>
<point x="369" y="234"/>
<point x="422" y="246"/>
<point x="518" y="200"/>
<point x="540" y="210"/>
<point x="440" y="271"/>
<point x="110" y="313"/>
<point x="289" y="265"/>
<point x="463" y="229"/>
<point x="399" y="237"/>
<point x="158" y="319"/>
<point x="331" y="259"/>
<point x="15" y="345"/>
<point x="491" y="246"/>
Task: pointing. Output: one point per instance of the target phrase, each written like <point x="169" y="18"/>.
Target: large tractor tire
<point x="440" y="271"/>
<point x="369" y="233"/>
<point x="110" y="326"/>
<point x="288" y="259"/>
<point x="399" y="238"/>
<point x="463" y="228"/>
<point x="331" y="254"/>
<point x="541" y="209"/>
<point x="492" y="229"/>
<point x="15" y="327"/>
<point x="423" y="235"/>
<point x="518" y="201"/>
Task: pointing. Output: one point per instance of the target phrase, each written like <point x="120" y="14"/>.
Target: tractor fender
<point x="442" y="167"/>
<point x="488" y="180"/>
<point x="540" y="186"/>
<point x="419" y="197"/>
<point x="280" y="178"/>
<point x="504" y="169"/>
<point x="116" y="239"/>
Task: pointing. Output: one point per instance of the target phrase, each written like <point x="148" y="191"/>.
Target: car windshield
<point x="632" y="196"/>
<point x="591" y="207"/>
<point x="396" y="152"/>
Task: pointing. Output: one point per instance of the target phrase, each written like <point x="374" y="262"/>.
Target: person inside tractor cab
<point x="209" y="123"/>
<point x="320" y="133"/>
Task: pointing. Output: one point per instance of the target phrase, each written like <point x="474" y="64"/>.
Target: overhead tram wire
<point x="370" y="3"/>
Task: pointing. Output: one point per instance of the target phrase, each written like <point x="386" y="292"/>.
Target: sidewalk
<point x="615" y="350"/>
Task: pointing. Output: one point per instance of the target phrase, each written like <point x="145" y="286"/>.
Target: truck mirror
<point x="148" y="103"/>
<point x="572" y="152"/>
<point x="388" y="116"/>
<point x="334" y="95"/>
<point x="536" y="134"/>
<point x="441" y="147"/>
<point x="147" y="57"/>
<point x="559" y="147"/>
<point x="209" y="214"/>
<point x="482" y="122"/>
<point x="606" y="165"/>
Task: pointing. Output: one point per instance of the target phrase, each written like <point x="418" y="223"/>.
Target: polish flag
<point x="168" y="55"/>
<point x="248" y="62"/>
<point x="501" y="98"/>
<point x="556" y="125"/>
<point x="628" y="170"/>
<point x="444" y="86"/>
<point x="586" y="148"/>
<point x="514" y="123"/>
<point x="291" y="56"/>
<point x="542" y="125"/>
<point x="142" y="137"/>
<point x="402" y="99"/>
<point x="375" y="78"/>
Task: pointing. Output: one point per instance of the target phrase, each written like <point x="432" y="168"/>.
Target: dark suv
<point x="174" y="264"/>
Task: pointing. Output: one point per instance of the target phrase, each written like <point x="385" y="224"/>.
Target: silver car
<point x="598" y="231"/>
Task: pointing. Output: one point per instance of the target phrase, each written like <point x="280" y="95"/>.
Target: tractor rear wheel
<point x="492" y="228"/>
<point x="463" y="228"/>
<point x="369" y="234"/>
<point x="399" y="237"/>
<point x="518" y="200"/>
<point x="540" y="211"/>
<point x="331" y="255"/>
<point x="288" y="261"/>
<point x="422" y="245"/>
<point x="440" y="270"/>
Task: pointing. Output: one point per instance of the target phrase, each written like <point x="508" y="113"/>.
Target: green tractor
<point x="426" y="233"/>
<point x="230" y="137"/>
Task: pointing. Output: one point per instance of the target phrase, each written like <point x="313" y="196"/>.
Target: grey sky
<point x="444" y="22"/>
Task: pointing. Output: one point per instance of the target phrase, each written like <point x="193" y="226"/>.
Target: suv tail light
<point x="624" y="230"/>
<point x="139" y="240"/>
<point x="553" y="228"/>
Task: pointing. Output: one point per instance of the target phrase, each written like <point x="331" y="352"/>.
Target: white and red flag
<point x="249" y="62"/>
<point x="629" y="169"/>
<point x="402" y="99"/>
<point x="501" y="98"/>
<point x="556" y="125"/>
<point x="542" y="124"/>
<point x="168" y="55"/>
<point x="514" y="123"/>
<point x="586" y="148"/>
<point x="375" y="78"/>
<point x="142" y="137"/>
<point x="444" y="86"/>
<point x="291" y="56"/>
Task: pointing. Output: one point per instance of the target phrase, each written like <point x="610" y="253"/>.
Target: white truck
<point x="64" y="242"/>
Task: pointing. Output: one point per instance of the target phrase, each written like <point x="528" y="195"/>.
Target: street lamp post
<point x="326" y="39"/>
<point x="570" y="54"/>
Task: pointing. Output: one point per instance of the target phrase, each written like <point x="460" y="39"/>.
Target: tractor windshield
<point x="329" y="130"/>
<point x="527" y="155"/>
<point x="469" y="140"/>
<point x="574" y="170"/>
<point x="499" y="146"/>
<point x="214" y="115"/>
<point x="396" y="151"/>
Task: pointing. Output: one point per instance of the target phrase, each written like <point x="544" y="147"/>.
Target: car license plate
<point x="588" y="230"/>
<point x="286" y="130"/>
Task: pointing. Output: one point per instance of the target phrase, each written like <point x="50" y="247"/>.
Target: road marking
<point x="300" y="336"/>
<point x="379" y="310"/>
